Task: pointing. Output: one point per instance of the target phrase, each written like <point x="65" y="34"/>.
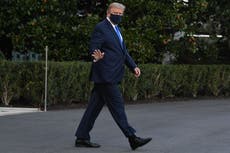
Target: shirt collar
<point x="110" y="22"/>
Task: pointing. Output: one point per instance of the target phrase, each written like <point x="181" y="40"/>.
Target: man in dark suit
<point x="109" y="57"/>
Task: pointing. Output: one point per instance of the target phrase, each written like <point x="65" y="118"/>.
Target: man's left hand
<point x="137" y="72"/>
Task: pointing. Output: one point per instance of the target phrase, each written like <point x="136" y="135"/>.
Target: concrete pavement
<point x="13" y="111"/>
<point x="195" y="126"/>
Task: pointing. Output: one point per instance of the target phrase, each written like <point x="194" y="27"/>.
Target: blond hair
<point x="116" y="5"/>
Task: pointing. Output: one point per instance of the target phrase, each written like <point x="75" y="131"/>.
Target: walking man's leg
<point x="94" y="107"/>
<point x="115" y="103"/>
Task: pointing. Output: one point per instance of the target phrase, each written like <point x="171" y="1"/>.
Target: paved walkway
<point x="196" y="126"/>
<point x="13" y="111"/>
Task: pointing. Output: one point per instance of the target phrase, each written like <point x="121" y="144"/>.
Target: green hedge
<point x="68" y="82"/>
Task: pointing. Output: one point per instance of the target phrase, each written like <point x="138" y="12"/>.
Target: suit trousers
<point x="110" y="95"/>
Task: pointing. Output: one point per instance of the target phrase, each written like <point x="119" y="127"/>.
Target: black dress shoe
<point x="85" y="143"/>
<point x="136" y="142"/>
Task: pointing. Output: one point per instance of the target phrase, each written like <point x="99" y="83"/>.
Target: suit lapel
<point x="114" y="33"/>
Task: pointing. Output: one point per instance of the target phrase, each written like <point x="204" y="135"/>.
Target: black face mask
<point x="116" y="19"/>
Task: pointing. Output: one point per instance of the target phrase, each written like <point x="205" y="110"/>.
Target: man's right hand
<point x="97" y="54"/>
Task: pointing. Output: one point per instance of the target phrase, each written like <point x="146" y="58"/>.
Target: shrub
<point x="2" y="57"/>
<point x="68" y="82"/>
<point x="148" y="27"/>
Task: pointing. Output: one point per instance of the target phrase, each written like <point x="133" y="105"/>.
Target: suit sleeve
<point x="130" y="62"/>
<point x="96" y="39"/>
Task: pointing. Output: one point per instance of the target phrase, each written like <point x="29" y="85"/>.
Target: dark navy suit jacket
<point x="110" y="69"/>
